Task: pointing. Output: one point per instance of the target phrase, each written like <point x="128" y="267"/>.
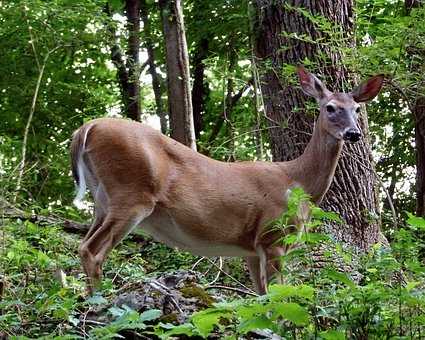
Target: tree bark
<point x="419" y="118"/>
<point x="178" y="76"/>
<point x="199" y="90"/>
<point x="133" y="26"/>
<point x="156" y="79"/>
<point x="419" y="115"/>
<point x="352" y="193"/>
<point x="128" y="75"/>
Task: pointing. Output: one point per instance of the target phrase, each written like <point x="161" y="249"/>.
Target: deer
<point x="140" y="178"/>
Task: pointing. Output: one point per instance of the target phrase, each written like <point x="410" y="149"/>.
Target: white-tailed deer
<point x="140" y="178"/>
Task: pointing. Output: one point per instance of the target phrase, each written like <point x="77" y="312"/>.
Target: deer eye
<point x="358" y="109"/>
<point x="330" y="108"/>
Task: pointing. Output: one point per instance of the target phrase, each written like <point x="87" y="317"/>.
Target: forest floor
<point x="150" y="291"/>
<point x="43" y="285"/>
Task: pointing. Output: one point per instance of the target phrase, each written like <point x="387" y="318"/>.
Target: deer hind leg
<point x="117" y="224"/>
<point x="100" y="209"/>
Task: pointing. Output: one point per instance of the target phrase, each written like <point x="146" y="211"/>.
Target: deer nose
<point x="352" y="135"/>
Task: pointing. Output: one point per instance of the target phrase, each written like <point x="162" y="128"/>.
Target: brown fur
<point x="140" y="177"/>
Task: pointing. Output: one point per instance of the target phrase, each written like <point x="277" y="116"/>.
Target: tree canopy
<point x="65" y="62"/>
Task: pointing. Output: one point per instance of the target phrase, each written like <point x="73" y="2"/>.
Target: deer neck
<point x="315" y="168"/>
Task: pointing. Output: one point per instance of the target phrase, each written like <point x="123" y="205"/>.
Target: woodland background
<point x="218" y="76"/>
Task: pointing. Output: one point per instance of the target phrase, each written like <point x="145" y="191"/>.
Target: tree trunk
<point x="419" y="114"/>
<point x="419" y="118"/>
<point x="133" y="24"/>
<point x="156" y="79"/>
<point x="178" y="76"/>
<point x="199" y="90"/>
<point x="352" y="193"/>
<point x="128" y="75"/>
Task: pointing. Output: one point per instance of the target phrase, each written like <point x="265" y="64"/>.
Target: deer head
<point x="339" y="111"/>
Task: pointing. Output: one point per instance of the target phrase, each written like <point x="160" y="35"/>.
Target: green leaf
<point x="259" y="322"/>
<point x="97" y="300"/>
<point x="186" y="329"/>
<point x="332" y="335"/>
<point x="279" y="292"/>
<point x="293" y="312"/>
<point x="306" y="292"/>
<point x="417" y="222"/>
<point x="205" y="320"/>
<point x="320" y="214"/>
<point x="341" y="277"/>
<point x="150" y="314"/>
<point x="116" y="311"/>
<point x="313" y="238"/>
<point x="116" y="5"/>
<point x="411" y="285"/>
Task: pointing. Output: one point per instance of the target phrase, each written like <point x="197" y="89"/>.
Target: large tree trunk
<point x="418" y="112"/>
<point x="352" y="193"/>
<point x="156" y="78"/>
<point x="419" y="115"/>
<point x="178" y="76"/>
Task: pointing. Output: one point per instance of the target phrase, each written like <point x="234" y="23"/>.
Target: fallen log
<point x="11" y="212"/>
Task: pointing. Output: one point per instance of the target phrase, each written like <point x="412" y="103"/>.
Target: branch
<point x="9" y="211"/>
<point x="402" y="93"/>
<point x="232" y="102"/>
<point x="31" y="115"/>
<point x="117" y="60"/>
<point x="241" y="291"/>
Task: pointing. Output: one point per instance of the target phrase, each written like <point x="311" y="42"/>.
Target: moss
<point x="194" y="291"/>
<point x="169" y="318"/>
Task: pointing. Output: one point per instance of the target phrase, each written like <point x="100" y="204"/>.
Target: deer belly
<point x="166" y="230"/>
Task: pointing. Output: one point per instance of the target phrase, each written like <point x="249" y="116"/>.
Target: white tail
<point x="78" y="170"/>
<point x="141" y="178"/>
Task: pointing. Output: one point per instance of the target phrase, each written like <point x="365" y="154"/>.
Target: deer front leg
<point x="263" y="267"/>
<point x="253" y="263"/>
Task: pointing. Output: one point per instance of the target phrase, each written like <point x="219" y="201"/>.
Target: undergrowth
<point x="43" y="289"/>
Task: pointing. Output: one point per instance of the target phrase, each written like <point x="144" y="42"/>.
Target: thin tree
<point x="156" y="78"/>
<point x="178" y="75"/>
<point x="128" y="72"/>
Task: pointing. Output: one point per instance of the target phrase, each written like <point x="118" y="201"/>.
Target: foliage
<point x="44" y="289"/>
<point x="73" y="39"/>
<point x="326" y="303"/>
<point x="390" y="41"/>
<point x="76" y="86"/>
<point x="80" y="83"/>
<point x="314" y="301"/>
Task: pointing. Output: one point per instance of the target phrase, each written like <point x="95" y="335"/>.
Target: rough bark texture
<point x="178" y="76"/>
<point x="156" y="79"/>
<point x="419" y="114"/>
<point x="199" y="90"/>
<point x="419" y="118"/>
<point x="352" y="193"/>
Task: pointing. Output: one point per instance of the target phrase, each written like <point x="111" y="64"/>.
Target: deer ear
<point x="369" y="89"/>
<point x="311" y="85"/>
